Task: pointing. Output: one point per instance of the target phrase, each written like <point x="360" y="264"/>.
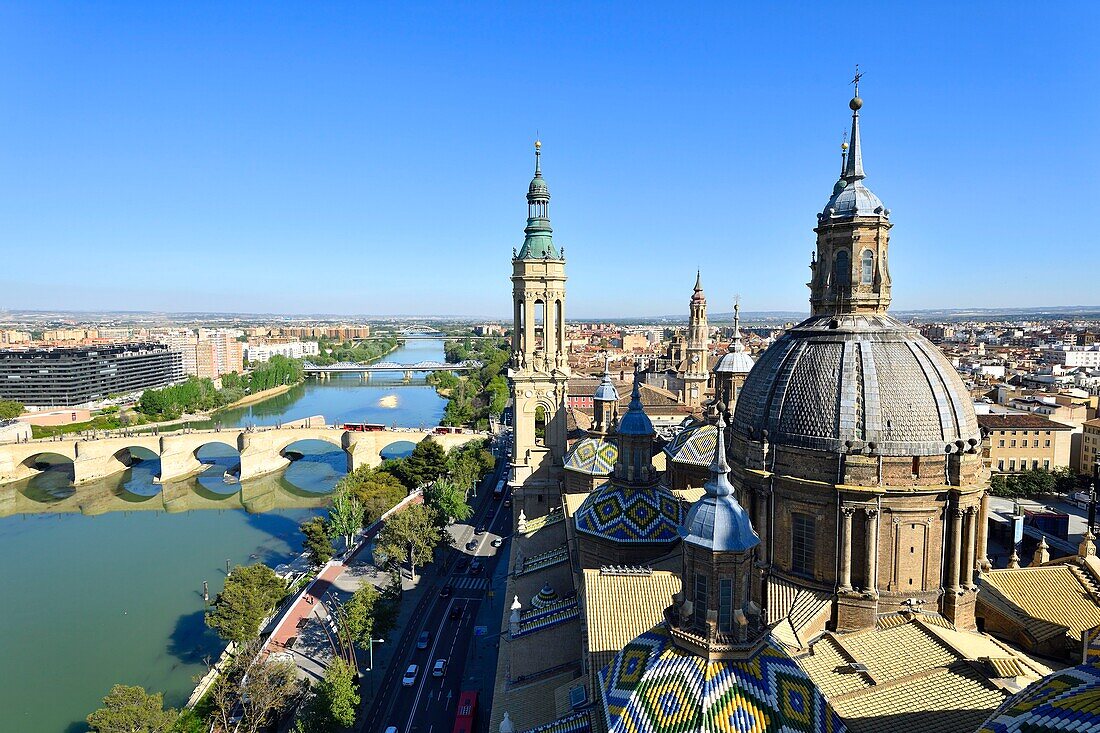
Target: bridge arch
<point x="47" y="461"/>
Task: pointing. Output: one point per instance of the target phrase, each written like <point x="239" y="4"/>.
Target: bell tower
<point x="539" y="370"/>
<point x="850" y="273"/>
<point x="695" y="368"/>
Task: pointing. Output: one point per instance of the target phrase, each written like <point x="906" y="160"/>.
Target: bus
<point x="466" y="713"/>
<point x="498" y="492"/>
<point x="364" y="427"/>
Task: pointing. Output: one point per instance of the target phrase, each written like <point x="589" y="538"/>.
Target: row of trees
<point x="10" y="409"/>
<point x="332" y="352"/>
<point x="1034" y="483"/>
<point x="197" y="395"/>
<point x="473" y="397"/>
<point x="276" y="372"/>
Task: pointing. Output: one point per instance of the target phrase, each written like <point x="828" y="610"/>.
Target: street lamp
<point x="370" y="646"/>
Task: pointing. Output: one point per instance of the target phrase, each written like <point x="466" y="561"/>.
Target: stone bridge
<point x="262" y="450"/>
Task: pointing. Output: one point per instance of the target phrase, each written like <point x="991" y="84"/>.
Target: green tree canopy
<point x="447" y="501"/>
<point x="333" y="703"/>
<point x="130" y="709"/>
<point x="376" y="489"/>
<point x="10" y="409"/>
<point x="249" y="595"/>
<point x="345" y="516"/>
<point x="410" y="535"/>
<point x="425" y="464"/>
<point x="1025" y="485"/>
<point x="317" y="541"/>
<point x="359" y="613"/>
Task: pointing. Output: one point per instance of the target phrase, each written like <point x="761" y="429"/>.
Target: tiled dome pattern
<point x="627" y="514"/>
<point x="693" y="445"/>
<point x="593" y="456"/>
<point x="1066" y="701"/>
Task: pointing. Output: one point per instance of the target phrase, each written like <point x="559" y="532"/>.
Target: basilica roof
<point x="1067" y="701"/>
<point x="734" y="362"/>
<point x="593" y="456"/>
<point x="849" y="379"/>
<point x="694" y="445"/>
<point x="631" y="514"/>
<point x="653" y="686"/>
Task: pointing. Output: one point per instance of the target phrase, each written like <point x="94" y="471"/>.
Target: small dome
<point x="852" y="198"/>
<point x="717" y="521"/>
<point x="834" y="380"/>
<point x="635" y="421"/>
<point x="627" y="514"/>
<point x="1066" y="701"/>
<point x="693" y="445"/>
<point x="734" y="362"/>
<point x="606" y="391"/>
<point x="592" y="456"/>
<point x="538" y="186"/>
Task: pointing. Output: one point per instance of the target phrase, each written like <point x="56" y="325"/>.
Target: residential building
<point x="1014" y="442"/>
<point x="1090" y="448"/>
<point x="258" y="353"/>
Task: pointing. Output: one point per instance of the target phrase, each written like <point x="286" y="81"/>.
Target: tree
<point x="10" y="409"/>
<point x="249" y="595"/>
<point x="358" y="614"/>
<point x="346" y="516"/>
<point x="377" y="490"/>
<point x="410" y="534"/>
<point x="1065" y="479"/>
<point x="266" y="692"/>
<point x="447" y="500"/>
<point x="130" y="709"/>
<point x="333" y="704"/>
<point x="318" y="540"/>
<point x="425" y="464"/>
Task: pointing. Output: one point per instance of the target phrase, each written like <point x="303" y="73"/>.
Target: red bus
<point x="364" y="427"/>
<point x="466" y="713"/>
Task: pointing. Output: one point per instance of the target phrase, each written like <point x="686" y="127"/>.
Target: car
<point x="410" y="675"/>
<point x="507" y="503"/>
<point x="471" y="545"/>
<point x="391" y="729"/>
<point x="497" y="542"/>
<point x="423" y="639"/>
<point x="475" y="567"/>
<point x="456" y="613"/>
<point x="445" y="591"/>
<point x="440" y="668"/>
<point x="479" y="530"/>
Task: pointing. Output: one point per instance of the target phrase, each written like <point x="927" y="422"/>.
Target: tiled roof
<point x="543" y="560"/>
<point x="572" y="723"/>
<point x="1051" y="593"/>
<point x="593" y="456"/>
<point x="554" y="516"/>
<point x="628" y="514"/>
<point x="693" y="445"/>
<point x="1067" y="701"/>
<point x="618" y="608"/>
<point x="1016" y="421"/>
<point x="653" y="686"/>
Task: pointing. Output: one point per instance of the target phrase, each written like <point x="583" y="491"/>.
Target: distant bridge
<point x="422" y="336"/>
<point x="391" y="366"/>
<point x="262" y="450"/>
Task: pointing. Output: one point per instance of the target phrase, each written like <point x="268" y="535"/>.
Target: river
<point x="104" y="582"/>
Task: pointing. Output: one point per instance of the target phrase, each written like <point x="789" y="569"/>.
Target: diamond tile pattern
<point x="593" y="456"/>
<point x="628" y="514"/>
<point x="1067" y="701"/>
<point x="693" y="445"/>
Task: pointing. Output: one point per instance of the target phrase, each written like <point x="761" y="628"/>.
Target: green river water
<point x="104" y="582"/>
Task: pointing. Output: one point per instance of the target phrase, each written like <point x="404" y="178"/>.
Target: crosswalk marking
<point x="470" y="583"/>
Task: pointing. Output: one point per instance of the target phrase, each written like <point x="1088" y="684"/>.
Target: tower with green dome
<point x="539" y="370"/>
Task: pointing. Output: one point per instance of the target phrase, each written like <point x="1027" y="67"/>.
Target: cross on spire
<point x="856" y="78"/>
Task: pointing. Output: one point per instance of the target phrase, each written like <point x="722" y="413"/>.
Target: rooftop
<point x="1016" y="421"/>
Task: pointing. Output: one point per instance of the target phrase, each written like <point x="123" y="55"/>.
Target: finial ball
<point x="844" y="146"/>
<point x="538" y="144"/>
<point x="855" y="104"/>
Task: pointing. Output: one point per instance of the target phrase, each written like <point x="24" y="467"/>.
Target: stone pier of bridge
<point x="262" y="451"/>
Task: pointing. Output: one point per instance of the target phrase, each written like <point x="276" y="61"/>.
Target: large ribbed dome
<point x="853" y="380"/>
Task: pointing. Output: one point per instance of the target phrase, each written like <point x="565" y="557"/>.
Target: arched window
<point x="540" y="324"/>
<point x="842" y="272"/>
<point x="540" y="425"/>
<point x="867" y="267"/>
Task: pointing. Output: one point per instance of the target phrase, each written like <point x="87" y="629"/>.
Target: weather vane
<point x="855" y="80"/>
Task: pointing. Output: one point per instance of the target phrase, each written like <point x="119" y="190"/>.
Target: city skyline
<point x="293" y="162"/>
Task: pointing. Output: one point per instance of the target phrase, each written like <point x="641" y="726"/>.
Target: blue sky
<point x="373" y="158"/>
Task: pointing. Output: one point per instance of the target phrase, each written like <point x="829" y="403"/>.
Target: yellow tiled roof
<point x="620" y="607"/>
<point x="897" y="652"/>
<point x="1051" y="593"/>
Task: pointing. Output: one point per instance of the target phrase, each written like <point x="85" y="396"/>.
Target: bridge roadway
<point x="262" y="450"/>
<point x="391" y="366"/>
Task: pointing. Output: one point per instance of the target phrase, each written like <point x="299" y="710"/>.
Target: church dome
<point x="693" y="445"/>
<point x="592" y="456"/>
<point x="654" y="686"/>
<point x="1067" y="701"/>
<point x="538" y="185"/>
<point x="734" y="362"/>
<point x="853" y="380"/>
<point x="629" y="514"/>
<point x="853" y="199"/>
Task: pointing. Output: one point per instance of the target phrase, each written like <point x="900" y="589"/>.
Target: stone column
<point x="846" y="513"/>
<point x="871" y="586"/>
<point x="969" y="548"/>
<point x="983" y="533"/>
<point x="763" y="498"/>
<point x="955" y="537"/>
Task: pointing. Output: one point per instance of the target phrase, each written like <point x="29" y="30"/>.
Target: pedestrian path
<point x="470" y="583"/>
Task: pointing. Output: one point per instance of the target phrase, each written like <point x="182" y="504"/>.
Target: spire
<point x="538" y="156"/>
<point x="737" y="345"/>
<point x="717" y="521"/>
<point x="853" y="169"/>
<point x="843" y="155"/>
<point x="719" y="484"/>
<point x="539" y="242"/>
<point x="697" y="293"/>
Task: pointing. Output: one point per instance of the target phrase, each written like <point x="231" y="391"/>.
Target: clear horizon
<point x="352" y="159"/>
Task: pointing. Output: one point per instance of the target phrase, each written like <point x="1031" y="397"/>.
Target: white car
<point x="391" y="729"/>
<point x="440" y="668"/>
<point x="410" y="675"/>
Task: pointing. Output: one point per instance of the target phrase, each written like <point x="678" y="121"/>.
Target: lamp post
<point x="370" y="646"/>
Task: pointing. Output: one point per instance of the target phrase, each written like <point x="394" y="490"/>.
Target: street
<point x="428" y="705"/>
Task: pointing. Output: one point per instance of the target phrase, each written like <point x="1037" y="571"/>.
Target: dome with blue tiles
<point x="593" y="456"/>
<point x="717" y="521"/>
<point x="631" y="514"/>
<point x="653" y="686"/>
<point x="694" y="445"/>
<point x="1066" y="701"/>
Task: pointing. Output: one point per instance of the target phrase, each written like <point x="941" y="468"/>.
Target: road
<point x="428" y="706"/>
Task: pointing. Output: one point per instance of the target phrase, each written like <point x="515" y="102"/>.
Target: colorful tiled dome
<point x="593" y="456"/>
<point x="693" y="445"/>
<point x="631" y="514"/>
<point x="1066" y="701"/>
<point x="652" y="686"/>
